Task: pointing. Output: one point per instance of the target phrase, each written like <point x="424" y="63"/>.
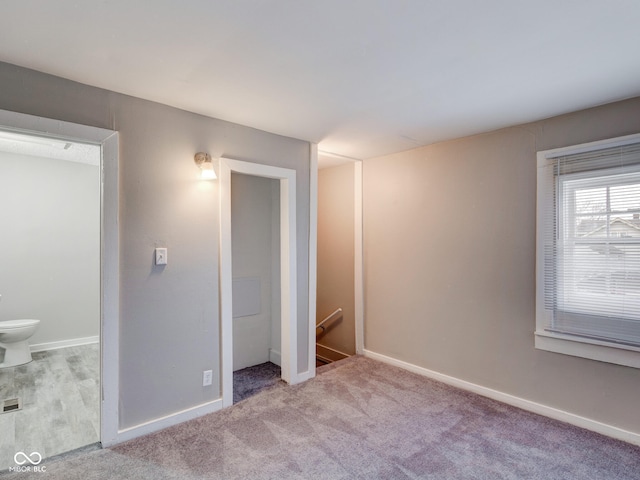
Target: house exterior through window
<point x="588" y="251"/>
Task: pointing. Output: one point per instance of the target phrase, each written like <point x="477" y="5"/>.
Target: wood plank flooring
<point x="60" y="393"/>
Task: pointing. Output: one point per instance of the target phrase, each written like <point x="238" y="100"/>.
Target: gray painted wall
<point x="450" y="234"/>
<point x="336" y="222"/>
<point x="169" y="321"/>
<point x="50" y="246"/>
<point x="254" y="244"/>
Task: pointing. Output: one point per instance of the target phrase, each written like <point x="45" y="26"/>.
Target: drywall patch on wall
<point x="247" y="293"/>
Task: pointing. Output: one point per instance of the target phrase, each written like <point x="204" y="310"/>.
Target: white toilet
<point x="13" y="339"/>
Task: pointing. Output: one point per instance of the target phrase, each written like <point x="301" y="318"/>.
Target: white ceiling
<point x="361" y="77"/>
<point x="51" y="148"/>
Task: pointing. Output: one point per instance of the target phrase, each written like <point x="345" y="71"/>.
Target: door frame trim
<point x="109" y="248"/>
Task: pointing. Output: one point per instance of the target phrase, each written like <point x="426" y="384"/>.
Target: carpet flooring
<point x="359" y="419"/>
<point x="251" y="380"/>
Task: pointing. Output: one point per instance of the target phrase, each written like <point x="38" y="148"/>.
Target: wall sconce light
<point x="205" y="164"/>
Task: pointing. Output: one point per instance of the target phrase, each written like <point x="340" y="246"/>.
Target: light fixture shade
<point x="204" y="162"/>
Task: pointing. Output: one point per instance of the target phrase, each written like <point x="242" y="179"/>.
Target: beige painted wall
<point x="335" y="288"/>
<point x="449" y="233"/>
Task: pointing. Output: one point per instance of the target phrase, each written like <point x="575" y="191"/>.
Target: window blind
<point x="592" y="246"/>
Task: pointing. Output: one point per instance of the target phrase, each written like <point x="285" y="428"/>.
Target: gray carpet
<point x="360" y="419"/>
<point x="251" y="380"/>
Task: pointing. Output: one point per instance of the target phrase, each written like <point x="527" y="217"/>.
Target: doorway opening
<point x="339" y="310"/>
<point x="50" y="260"/>
<point x="255" y="234"/>
<point x="240" y="297"/>
<point x="70" y="136"/>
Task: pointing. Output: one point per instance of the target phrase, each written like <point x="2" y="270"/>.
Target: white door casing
<point x="109" y="245"/>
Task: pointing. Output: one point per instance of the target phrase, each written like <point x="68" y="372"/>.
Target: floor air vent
<point x="10" y="405"/>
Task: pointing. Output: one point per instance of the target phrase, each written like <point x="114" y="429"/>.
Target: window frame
<point x="584" y="347"/>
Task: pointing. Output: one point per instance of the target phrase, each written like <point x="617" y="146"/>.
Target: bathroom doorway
<point x="50" y="264"/>
<point x="285" y="180"/>
<point x="59" y="260"/>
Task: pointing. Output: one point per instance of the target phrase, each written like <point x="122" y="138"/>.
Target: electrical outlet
<point x="207" y="378"/>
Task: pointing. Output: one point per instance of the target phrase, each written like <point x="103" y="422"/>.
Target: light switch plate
<point x="161" y="256"/>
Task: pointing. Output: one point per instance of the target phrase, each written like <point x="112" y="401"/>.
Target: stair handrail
<point x="320" y="325"/>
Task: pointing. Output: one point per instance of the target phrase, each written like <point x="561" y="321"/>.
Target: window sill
<point x="587" y="348"/>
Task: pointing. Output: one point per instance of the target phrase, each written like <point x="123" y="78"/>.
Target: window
<point x="588" y="251"/>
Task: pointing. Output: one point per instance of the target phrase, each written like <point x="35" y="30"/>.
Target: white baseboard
<point x="274" y="357"/>
<point x="563" y="416"/>
<point x="307" y="375"/>
<point x="73" y="342"/>
<point x="165" y="422"/>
